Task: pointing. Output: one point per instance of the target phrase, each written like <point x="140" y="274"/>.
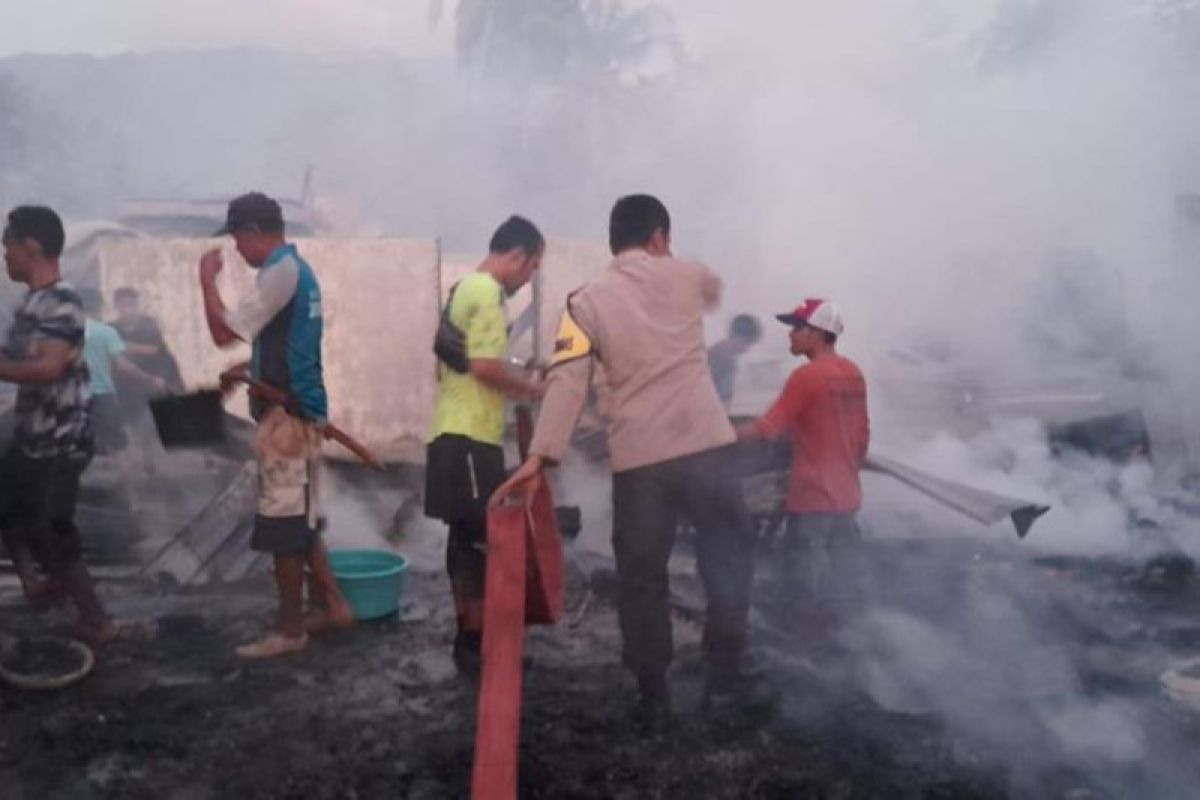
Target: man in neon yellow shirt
<point x="465" y="457"/>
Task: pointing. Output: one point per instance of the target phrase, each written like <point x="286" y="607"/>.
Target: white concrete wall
<point x="381" y="299"/>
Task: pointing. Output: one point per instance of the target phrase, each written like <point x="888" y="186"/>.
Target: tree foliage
<point x="565" y="84"/>
<point x="559" y="41"/>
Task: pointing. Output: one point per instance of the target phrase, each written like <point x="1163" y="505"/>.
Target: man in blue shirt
<point x="105" y="353"/>
<point x="744" y="333"/>
<point x="281" y="318"/>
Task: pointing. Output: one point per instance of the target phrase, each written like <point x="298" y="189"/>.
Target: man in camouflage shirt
<point x="52" y="438"/>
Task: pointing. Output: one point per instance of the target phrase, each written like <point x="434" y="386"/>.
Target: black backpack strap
<point x="449" y="342"/>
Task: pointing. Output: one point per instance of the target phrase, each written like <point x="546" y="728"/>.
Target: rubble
<point x="378" y="711"/>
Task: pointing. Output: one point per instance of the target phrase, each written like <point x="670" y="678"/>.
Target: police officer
<point x="642" y="321"/>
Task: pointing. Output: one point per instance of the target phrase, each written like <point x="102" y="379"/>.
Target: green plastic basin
<point x="371" y="580"/>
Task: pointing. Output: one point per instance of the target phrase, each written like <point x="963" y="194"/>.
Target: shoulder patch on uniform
<point x="571" y="343"/>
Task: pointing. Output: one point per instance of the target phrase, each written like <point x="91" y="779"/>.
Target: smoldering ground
<point x="1042" y="654"/>
<point x="964" y="267"/>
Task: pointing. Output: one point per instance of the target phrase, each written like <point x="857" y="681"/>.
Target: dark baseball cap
<point x="254" y="209"/>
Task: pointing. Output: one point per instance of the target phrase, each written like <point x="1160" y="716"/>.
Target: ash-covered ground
<point x="909" y="701"/>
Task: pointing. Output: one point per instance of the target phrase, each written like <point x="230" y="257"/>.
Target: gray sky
<point x="114" y="26"/>
<point x="828" y="33"/>
<point x="401" y="26"/>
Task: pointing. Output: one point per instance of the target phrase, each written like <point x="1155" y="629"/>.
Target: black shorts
<point x="460" y="476"/>
<point x="37" y="503"/>
<point x="284" y="536"/>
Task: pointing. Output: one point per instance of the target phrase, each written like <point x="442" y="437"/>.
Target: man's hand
<point x="537" y="389"/>
<point x="747" y="432"/>
<point x="522" y="485"/>
<point x="230" y="377"/>
<point x="211" y="265"/>
<point x="493" y="373"/>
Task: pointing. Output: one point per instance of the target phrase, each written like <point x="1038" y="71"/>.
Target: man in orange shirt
<point x="824" y="409"/>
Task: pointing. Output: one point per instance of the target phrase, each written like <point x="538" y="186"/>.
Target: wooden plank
<point x="240" y="560"/>
<point x="227" y="547"/>
<point x="185" y="557"/>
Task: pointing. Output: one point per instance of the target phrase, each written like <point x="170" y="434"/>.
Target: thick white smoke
<point x="987" y="187"/>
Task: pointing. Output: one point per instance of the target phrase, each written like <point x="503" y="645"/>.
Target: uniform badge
<point x="571" y="342"/>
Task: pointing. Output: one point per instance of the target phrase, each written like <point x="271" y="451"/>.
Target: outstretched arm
<point x="130" y="370"/>
<point x="566" y="391"/>
<point x="492" y="373"/>
<point x="142" y="350"/>
<point x="782" y="415"/>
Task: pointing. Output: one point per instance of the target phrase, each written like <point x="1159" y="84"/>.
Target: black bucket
<point x="189" y="420"/>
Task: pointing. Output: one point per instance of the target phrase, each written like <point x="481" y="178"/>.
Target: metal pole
<point x="437" y="268"/>
<point x="536" y="304"/>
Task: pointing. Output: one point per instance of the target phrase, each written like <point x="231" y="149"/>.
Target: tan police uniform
<point x="642" y="322"/>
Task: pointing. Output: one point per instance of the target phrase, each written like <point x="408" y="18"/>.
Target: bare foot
<point x="273" y="645"/>
<point x="323" y="620"/>
<point x="112" y="632"/>
<point x="44" y="594"/>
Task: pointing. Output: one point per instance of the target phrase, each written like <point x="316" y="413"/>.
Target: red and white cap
<point x="815" y="313"/>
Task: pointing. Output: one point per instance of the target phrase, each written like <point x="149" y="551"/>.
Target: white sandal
<point x="274" y="645"/>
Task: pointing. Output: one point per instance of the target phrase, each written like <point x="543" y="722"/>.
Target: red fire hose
<point x="524" y="587"/>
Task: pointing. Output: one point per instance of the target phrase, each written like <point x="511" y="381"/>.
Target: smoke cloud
<point x="989" y="188"/>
